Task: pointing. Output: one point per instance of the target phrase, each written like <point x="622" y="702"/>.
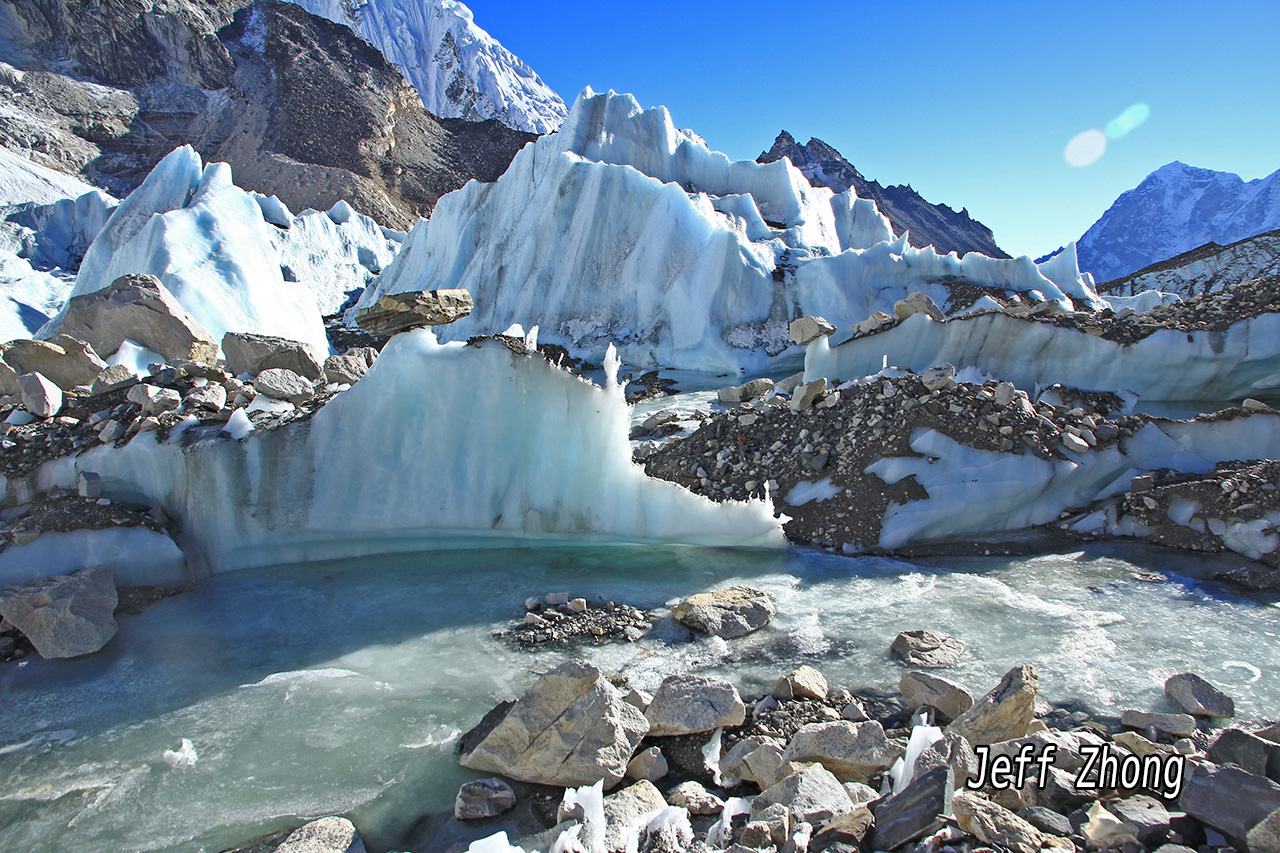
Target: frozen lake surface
<point x="340" y="688"/>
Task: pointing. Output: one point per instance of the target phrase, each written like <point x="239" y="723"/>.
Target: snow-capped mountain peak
<point x="459" y="70"/>
<point x="1175" y="209"/>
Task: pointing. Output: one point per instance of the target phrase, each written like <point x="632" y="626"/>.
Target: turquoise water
<point x="340" y="688"/>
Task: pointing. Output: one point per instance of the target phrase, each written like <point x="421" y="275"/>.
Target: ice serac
<point x="619" y="227"/>
<point x="459" y="70"/>
<point x="437" y="445"/>
<point x="207" y="242"/>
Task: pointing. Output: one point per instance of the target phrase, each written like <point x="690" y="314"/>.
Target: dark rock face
<point x="930" y="224"/>
<point x="299" y="106"/>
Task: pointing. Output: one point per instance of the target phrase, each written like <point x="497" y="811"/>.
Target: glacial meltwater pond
<point x="341" y="688"/>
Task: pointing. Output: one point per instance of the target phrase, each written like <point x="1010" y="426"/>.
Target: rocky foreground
<point x="586" y="762"/>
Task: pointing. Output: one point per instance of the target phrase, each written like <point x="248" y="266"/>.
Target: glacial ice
<point x="437" y="446"/>
<point x="207" y="241"/>
<point x="137" y="556"/>
<point x="1243" y="361"/>
<point x="621" y="228"/>
<point x="459" y="70"/>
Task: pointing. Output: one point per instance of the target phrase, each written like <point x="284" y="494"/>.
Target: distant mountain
<point x="1175" y="209"/>
<point x="459" y="70"/>
<point x="1205" y="269"/>
<point x="934" y="225"/>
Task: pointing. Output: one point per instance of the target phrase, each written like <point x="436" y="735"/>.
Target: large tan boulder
<point x="138" y="308"/>
<point x="64" y="616"/>
<point x="250" y="353"/>
<point x="1003" y="714"/>
<point x="854" y="752"/>
<point x="400" y="312"/>
<point x="64" y="361"/>
<point x="727" y="613"/>
<point x="688" y="704"/>
<point x="571" y="728"/>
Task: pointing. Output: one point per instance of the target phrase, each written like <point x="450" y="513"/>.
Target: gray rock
<point x="733" y="767"/>
<point x="250" y="353"/>
<point x="929" y="649"/>
<point x="111" y="431"/>
<point x="648" y="764"/>
<point x="400" y="312"/>
<point x="765" y="765"/>
<point x="622" y="808"/>
<point x="1271" y="733"/>
<point x="1248" y="752"/>
<point x="571" y="728"/>
<point x="913" y="812"/>
<point x="140" y="309"/>
<point x="1231" y="800"/>
<point x="89" y="485"/>
<point x="154" y="400"/>
<point x="280" y="384"/>
<point x="878" y="320"/>
<point x="326" y="835"/>
<point x="952" y="752"/>
<point x="1176" y="725"/>
<point x="685" y="704"/>
<point x="744" y="393"/>
<point x="803" y="683"/>
<point x="1148" y="816"/>
<point x="1198" y="697"/>
<point x="728" y="613"/>
<point x="847" y="832"/>
<point x="813" y="794"/>
<point x="1046" y="820"/>
<point x="64" y="361"/>
<point x="210" y="397"/>
<point x="1002" y="714"/>
<point x="113" y="378"/>
<point x="807" y="329"/>
<point x="854" y="752"/>
<point x="998" y="827"/>
<point x="947" y="697"/>
<point x="695" y="798"/>
<point x="482" y="799"/>
<point x="344" y="369"/>
<point x="40" y="397"/>
<point x="917" y="303"/>
<point x="64" y="616"/>
<point x="790" y="383"/>
<point x="939" y="378"/>
<point x="807" y="394"/>
<point x="1265" y="837"/>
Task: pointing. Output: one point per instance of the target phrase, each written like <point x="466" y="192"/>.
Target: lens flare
<point x="1127" y="121"/>
<point x="1084" y="149"/>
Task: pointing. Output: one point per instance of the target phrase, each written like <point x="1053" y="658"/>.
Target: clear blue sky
<point x="970" y="103"/>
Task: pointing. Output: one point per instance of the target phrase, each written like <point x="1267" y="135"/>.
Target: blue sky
<point x="972" y="104"/>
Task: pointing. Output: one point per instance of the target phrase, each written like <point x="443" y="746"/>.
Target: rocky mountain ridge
<point x="934" y="225"/>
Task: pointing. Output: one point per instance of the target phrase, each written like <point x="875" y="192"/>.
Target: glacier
<point x="620" y="228"/>
<point x="459" y="70"/>
<point x="439" y="445"/>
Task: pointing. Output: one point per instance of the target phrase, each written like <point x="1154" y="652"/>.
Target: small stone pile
<point x="59" y="511"/>
<point x="813" y="432"/>
<point x="560" y="617"/>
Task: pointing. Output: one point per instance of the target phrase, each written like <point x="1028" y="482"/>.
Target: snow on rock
<point x="619" y="227"/>
<point x="437" y="444"/>
<point x="21" y="180"/>
<point x="207" y="241"/>
<point x="459" y="70"/>
<point x="1205" y="269"/>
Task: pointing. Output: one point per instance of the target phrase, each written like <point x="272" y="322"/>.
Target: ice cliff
<point x="621" y="228"/>
<point x="459" y="70"/>
<point x="439" y="445"/>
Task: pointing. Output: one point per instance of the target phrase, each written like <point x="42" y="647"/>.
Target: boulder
<point x="685" y="704"/>
<point x="64" y="361"/>
<point x="345" y="369"/>
<point x="250" y="353"/>
<point x="929" y="649"/>
<point x="694" y="798"/>
<point x="746" y="392"/>
<point x="1265" y="837"/>
<point x="998" y="827"/>
<point x="622" y="809"/>
<point x="846" y="832"/>
<point x="1248" y="752"/>
<point x="765" y="765"/>
<point x="913" y="812"/>
<point x="1198" y="697"/>
<point x="877" y="321"/>
<point x="813" y="795"/>
<point x="854" y="752"/>
<point x="113" y="378"/>
<point x="40" y="397"/>
<point x="1176" y="725"/>
<point x="326" y="835"/>
<point x="400" y="312"/>
<point x="807" y="394"/>
<point x="571" y="728"/>
<point x="808" y="329"/>
<point x="946" y="697"/>
<point x="1231" y="800"/>
<point x="803" y="683"/>
<point x="210" y="397"/>
<point x="483" y="798"/>
<point x="137" y="308"/>
<point x="648" y="764"/>
<point x="1004" y="713"/>
<point x="1148" y="816"/>
<point x="917" y="303"/>
<point x="733" y="766"/>
<point x="728" y="613"/>
<point x="64" y="616"/>
<point x="280" y="384"/>
<point x="155" y="400"/>
<point x="939" y="378"/>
